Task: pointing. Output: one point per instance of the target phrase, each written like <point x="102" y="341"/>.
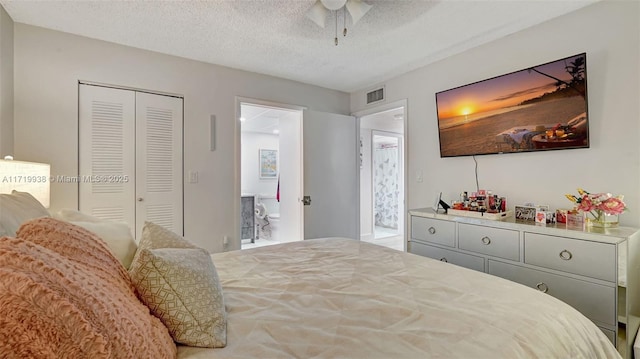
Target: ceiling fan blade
<point x="318" y="14"/>
<point x="357" y="9"/>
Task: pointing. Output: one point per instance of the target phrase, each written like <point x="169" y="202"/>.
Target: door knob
<point x="140" y="199"/>
<point x="306" y="200"/>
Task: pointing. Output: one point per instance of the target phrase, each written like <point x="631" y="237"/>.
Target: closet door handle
<point x="140" y="199"/>
<point x="432" y="230"/>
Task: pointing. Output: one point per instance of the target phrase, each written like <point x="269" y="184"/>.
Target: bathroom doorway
<point x="382" y="182"/>
<point x="270" y="145"/>
<point x="387" y="185"/>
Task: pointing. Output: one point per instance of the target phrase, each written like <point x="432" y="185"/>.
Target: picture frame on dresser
<point x="439" y="203"/>
<point x="596" y="271"/>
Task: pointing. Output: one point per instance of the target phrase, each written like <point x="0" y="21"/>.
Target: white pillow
<point x="117" y="236"/>
<point x="17" y="208"/>
<point x="72" y="215"/>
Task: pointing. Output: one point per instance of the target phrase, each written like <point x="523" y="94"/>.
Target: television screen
<point x="543" y="107"/>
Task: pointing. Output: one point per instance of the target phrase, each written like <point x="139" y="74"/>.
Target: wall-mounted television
<point x="542" y="107"/>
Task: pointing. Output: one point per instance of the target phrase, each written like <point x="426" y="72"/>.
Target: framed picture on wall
<point x="268" y="164"/>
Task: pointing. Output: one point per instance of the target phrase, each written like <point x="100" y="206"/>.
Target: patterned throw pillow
<point x="78" y="245"/>
<point x="179" y="283"/>
<point x="52" y="306"/>
<point x="155" y="236"/>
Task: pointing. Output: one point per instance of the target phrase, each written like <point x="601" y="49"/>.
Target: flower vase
<point x="599" y="219"/>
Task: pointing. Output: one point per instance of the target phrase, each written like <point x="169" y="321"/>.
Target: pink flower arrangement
<point x="598" y="203"/>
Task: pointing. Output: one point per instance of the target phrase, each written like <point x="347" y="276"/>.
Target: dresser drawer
<point x="503" y="243"/>
<point x="595" y="301"/>
<point x="433" y="230"/>
<point x="591" y="259"/>
<point x="446" y="255"/>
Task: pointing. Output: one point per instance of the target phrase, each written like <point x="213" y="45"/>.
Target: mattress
<point x="341" y="298"/>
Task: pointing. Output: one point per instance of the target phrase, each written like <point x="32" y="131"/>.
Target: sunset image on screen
<point x="476" y="118"/>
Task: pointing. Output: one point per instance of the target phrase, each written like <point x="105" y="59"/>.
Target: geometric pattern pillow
<point x="181" y="287"/>
<point x="155" y="236"/>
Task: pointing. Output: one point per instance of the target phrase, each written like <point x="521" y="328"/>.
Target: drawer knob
<point x="542" y="287"/>
<point x="486" y="240"/>
<point x="432" y="230"/>
<point x="566" y="255"/>
<point x="443" y="259"/>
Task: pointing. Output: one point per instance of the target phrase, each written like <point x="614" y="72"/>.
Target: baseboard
<point x="366" y="237"/>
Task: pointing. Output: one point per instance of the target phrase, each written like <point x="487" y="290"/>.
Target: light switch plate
<point x="193" y="177"/>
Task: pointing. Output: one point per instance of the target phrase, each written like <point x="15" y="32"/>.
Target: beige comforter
<point x="338" y="298"/>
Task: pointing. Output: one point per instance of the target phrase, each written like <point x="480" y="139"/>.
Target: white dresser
<point x="596" y="271"/>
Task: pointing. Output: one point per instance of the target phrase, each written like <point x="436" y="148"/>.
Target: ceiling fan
<point x="319" y="11"/>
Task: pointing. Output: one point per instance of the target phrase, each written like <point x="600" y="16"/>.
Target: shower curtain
<point x="386" y="185"/>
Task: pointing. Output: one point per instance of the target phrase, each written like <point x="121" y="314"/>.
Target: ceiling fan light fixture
<point x="333" y="4"/>
<point x="321" y="8"/>
<point x="357" y="9"/>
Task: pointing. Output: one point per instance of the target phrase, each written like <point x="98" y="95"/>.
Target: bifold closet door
<point x="130" y="157"/>
<point x="159" y="161"/>
<point x="106" y="151"/>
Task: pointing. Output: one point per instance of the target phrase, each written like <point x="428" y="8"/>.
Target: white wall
<point x="251" y="144"/>
<point x="609" y="32"/>
<point x="6" y="84"/>
<point x="48" y="65"/>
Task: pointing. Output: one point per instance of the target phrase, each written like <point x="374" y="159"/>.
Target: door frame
<point x="237" y="241"/>
<point x="405" y="145"/>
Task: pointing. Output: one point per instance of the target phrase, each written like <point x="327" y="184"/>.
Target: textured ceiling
<point x="275" y="37"/>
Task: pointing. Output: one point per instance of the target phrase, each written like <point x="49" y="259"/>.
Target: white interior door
<point x="159" y="161"/>
<point x="330" y="175"/>
<point x="106" y="166"/>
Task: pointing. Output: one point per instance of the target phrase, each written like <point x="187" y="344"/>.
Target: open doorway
<point x="382" y="178"/>
<point x="270" y="145"/>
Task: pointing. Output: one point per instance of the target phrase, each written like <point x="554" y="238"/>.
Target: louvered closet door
<point x="106" y="148"/>
<point x="159" y="159"/>
<point x="130" y="157"/>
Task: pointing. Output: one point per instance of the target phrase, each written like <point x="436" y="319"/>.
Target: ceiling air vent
<point x="375" y="95"/>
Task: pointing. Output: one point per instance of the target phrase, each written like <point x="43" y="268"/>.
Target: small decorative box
<point x="541" y="216"/>
<point x="525" y="213"/>
<point x="561" y="215"/>
<point x="575" y="219"/>
<point x="544" y="216"/>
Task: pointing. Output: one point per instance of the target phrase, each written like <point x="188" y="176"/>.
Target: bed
<point x="320" y="298"/>
<point x="341" y="298"/>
